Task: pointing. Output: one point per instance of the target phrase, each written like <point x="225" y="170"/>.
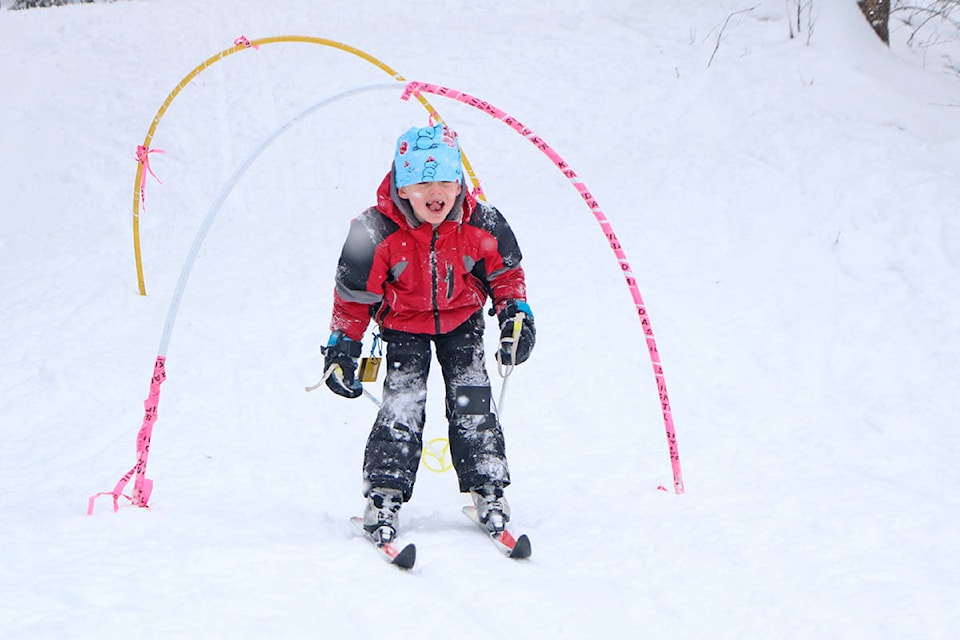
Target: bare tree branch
<point x="723" y="28"/>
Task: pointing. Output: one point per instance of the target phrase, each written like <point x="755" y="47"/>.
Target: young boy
<point x="421" y="263"/>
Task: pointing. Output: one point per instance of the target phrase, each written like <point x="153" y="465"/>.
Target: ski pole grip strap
<point x="326" y="374"/>
<point x="518" y="325"/>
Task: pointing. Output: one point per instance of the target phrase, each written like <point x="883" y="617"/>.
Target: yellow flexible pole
<point x="220" y="56"/>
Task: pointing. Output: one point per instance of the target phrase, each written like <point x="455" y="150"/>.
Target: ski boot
<point x="380" y="516"/>
<point x="492" y="508"/>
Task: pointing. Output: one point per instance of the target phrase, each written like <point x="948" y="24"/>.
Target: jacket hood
<point x="399" y="210"/>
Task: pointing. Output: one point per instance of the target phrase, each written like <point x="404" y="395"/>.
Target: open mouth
<point x="435" y="205"/>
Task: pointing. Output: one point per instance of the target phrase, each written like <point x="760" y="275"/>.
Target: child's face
<point x="431" y="201"/>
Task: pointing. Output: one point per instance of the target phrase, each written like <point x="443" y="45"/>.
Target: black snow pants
<point x="392" y="454"/>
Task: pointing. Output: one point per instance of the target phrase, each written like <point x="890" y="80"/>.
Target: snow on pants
<point x="392" y="454"/>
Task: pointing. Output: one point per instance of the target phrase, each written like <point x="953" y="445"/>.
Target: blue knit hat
<point x="427" y="154"/>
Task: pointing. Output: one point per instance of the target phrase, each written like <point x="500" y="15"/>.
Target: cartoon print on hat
<point x="427" y="154"/>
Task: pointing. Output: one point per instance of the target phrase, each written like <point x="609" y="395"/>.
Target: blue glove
<point x="518" y="334"/>
<point x="343" y="352"/>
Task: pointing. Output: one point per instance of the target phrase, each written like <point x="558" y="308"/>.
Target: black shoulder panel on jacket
<point x="367" y="231"/>
<point x="492" y="221"/>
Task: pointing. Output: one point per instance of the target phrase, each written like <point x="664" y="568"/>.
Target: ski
<point x="510" y="546"/>
<point x="402" y="557"/>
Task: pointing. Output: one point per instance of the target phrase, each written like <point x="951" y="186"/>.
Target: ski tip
<point x="406" y="558"/>
<point x="522" y="548"/>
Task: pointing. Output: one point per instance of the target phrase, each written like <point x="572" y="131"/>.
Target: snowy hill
<point x="788" y="207"/>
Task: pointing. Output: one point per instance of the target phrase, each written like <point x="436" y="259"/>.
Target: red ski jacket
<point x="411" y="277"/>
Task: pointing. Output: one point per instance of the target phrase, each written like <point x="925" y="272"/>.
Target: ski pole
<point x="503" y="392"/>
<point x="506" y="369"/>
<point x="335" y="370"/>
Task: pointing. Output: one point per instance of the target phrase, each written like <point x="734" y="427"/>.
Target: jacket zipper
<point x="449" y="281"/>
<point x="435" y="279"/>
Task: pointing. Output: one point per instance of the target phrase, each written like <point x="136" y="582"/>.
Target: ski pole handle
<point x="512" y="343"/>
<point x="335" y="370"/>
<point x="323" y="380"/>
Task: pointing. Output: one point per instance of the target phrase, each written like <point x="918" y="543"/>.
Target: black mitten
<point x="342" y="352"/>
<point x="518" y="333"/>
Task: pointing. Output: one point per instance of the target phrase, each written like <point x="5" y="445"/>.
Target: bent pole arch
<point x="417" y="88"/>
<point x="143" y="486"/>
<point x="240" y="44"/>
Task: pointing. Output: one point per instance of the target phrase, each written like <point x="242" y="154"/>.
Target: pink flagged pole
<point x="415" y="88"/>
<point x="142" y="486"/>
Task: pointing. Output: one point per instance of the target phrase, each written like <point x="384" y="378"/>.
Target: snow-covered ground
<point x="789" y="209"/>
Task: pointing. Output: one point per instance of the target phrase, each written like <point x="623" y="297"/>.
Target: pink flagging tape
<point x="142" y="486"/>
<point x="413" y="88"/>
<point x="245" y="41"/>
<point x="143" y="157"/>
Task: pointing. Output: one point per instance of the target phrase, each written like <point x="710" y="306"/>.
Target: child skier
<point x="421" y="263"/>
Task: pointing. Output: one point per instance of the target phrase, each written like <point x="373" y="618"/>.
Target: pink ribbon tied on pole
<point x="143" y="157"/>
<point x="244" y="41"/>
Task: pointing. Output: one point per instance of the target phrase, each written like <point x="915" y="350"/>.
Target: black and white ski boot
<point x="493" y="512"/>
<point x="380" y="518"/>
